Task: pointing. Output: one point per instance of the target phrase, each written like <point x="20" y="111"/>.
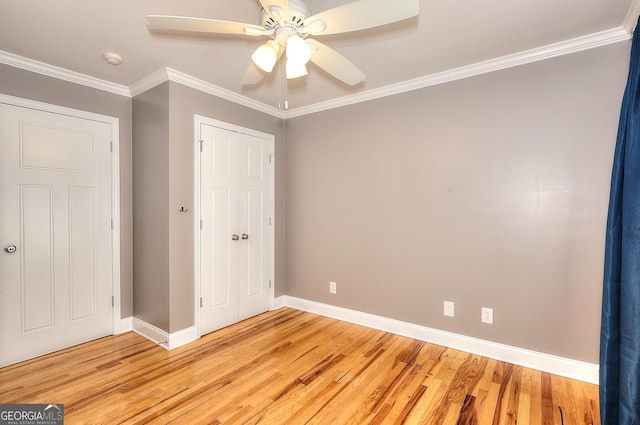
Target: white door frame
<point x="270" y="138"/>
<point x="119" y="325"/>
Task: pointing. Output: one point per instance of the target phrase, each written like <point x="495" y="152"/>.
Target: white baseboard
<point x="123" y="325"/>
<point x="182" y="337"/>
<point x="574" y="369"/>
<point x="162" y="338"/>
<point x="279" y="302"/>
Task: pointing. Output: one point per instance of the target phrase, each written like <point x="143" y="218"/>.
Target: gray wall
<point x="163" y="182"/>
<point x="489" y="192"/>
<point x="28" y="85"/>
<point x="151" y="245"/>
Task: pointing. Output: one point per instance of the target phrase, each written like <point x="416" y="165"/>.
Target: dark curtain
<point x="620" y="332"/>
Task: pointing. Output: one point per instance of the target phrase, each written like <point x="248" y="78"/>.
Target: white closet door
<point x="253" y="200"/>
<point x="55" y="215"/>
<point x="219" y="215"/>
<point x="235" y="244"/>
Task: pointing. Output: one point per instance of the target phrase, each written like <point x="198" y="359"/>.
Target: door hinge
<point x="269" y="221"/>
<point x="269" y="283"/>
<point x="200" y="302"/>
<point x="111" y="147"/>
<point x="270" y="158"/>
<point x="113" y="301"/>
<point x="201" y="142"/>
<point x="111" y="224"/>
<point x="201" y="224"/>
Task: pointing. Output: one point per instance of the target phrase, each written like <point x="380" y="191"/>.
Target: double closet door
<point x="235" y="227"/>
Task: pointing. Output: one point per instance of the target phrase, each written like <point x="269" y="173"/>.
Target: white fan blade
<point x="183" y="23"/>
<point x="335" y="64"/>
<point x="280" y="10"/>
<point x="364" y="14"/>
<point x="253" y="75"/>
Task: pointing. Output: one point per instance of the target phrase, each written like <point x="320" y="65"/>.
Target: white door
<point x="235" y="237"/>
<point x="55" y="232"/>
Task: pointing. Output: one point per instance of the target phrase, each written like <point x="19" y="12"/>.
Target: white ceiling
<point x="447" y="35"/>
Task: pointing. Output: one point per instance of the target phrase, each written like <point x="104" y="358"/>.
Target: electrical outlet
<point x="332" y="287"/>
<point x="487" y="315"/>
<point x="448" y="309"/>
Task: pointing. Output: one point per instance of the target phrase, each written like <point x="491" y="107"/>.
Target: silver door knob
<point x="245" y="236"/>
<point x="235" y="237"/>
<point x="10" y="248"/>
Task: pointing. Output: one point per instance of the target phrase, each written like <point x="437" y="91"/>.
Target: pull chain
<point x="283" y="102"/>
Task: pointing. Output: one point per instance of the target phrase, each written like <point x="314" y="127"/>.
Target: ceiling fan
<point x="289" y="23"/>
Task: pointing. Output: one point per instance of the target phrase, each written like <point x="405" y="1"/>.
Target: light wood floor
<point x="291" y="367"/>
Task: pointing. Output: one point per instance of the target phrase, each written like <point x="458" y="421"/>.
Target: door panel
<point x="63" y="149"/>
<point x="254" y="186"/>
<point x="82" y="252"/>
<point x="254" y="260"/>
<point x="219" y="306"/>
<point x="235" y="204"/>
<point x="221" y="253"/>
<point x="37" y="250"/>
<point x="55" y="207"/>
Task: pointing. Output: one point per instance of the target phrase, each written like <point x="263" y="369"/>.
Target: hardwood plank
<point x="292" y="367"/>
<point x="524" y="406"/>
<point x="586" y="402"/>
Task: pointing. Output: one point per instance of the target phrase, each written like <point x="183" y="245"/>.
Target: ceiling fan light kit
<point x="289" y="23"/>
<point x="297" y="50"/>
<point x="295" y="69"/>
<point x="266" y="55"/>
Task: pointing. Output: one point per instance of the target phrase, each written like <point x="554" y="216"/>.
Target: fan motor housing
<point x="298" y="12"/>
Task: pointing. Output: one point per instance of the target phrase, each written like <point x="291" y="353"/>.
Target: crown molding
<point x="149" y="82"/>
<point x="574" y="45"/>
<point x="62" y="73"/>
<point x="203" y="86"/>
<point x="168" y="74"/>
